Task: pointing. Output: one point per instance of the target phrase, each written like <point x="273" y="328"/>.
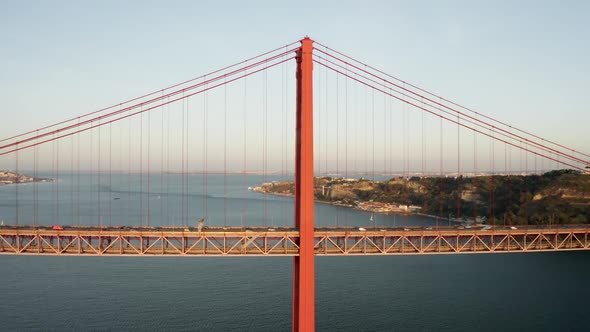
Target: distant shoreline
<point x="9" y="177"/>
<point x="561" y="196"/>
<point x="369" y="209"/>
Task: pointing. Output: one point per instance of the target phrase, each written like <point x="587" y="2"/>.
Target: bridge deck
<point x="238" y="241"/>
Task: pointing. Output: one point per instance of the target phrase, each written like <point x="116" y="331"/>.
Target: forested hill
<point x="556" y="197"/>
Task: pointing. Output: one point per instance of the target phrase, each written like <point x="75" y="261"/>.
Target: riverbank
<point x="370" y="206"/>
<point x="556" y="197"/>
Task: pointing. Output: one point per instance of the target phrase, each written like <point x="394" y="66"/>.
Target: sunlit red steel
<point x="303" y="265"/>
<point x="237" y="241"/>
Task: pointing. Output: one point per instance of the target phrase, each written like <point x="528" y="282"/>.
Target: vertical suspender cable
<point x="244" y="140"/>
<point x="526" y="159"/>
<point x="406" y="138"/>
<point x="141" y="168"/>
<point x="337" y="140"/>
<point x="423" y="176"/>
<point x="505" y="159"/>
<point x="493" y="180"/>
<point x="168" y="165"/>
<point x="35" y="186"/>
<point x="91" y="187"/>
<point x="346" y="140"/>
<point x="458" y="169"/>
<point x="57" y="180"/>
<point x="183" y="164"/>
<point x="128" y="205"/>
<point x="149" y="127"/>
<point x="225" y="155"/>
<point x="366" y="120"/>
<point x="440" y="179"/>
<point x="78" y="178"/>
<point x="384" y="138"/>
<point x="408" y="158"/>
<point x="161" y="164"/>
<point x="205" y="151"/>
<point x="422" y="141"/>
<point x="526" y="185"/>
<point x="390" y="137"/>
<point x="183" y="221"/>
<point x="318" y="111"/>
<point x="283" y="133"/>
<point x="373" y="135"/>
<point x="507" y="181"/>
<point x="264" y="144"/>
<point x="326" y="133"/>
<point x="110" y="174"/>
<point x="509" y="166"/>
<point x="186" y="160"/>
<point x="72" y="184"/>
<point x="475" y="181"/>
<point x="16" y="187"/>
<point x="356" y="121"/>
<point x="326" y="117"/>
<point x="98" y="183"/>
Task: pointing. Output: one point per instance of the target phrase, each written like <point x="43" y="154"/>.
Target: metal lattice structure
<point x="237" y="241"/>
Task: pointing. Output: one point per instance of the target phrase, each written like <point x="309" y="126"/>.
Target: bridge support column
<point x="304" y="264"/>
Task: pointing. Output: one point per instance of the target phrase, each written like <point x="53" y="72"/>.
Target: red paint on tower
<point x="304" y="264"/>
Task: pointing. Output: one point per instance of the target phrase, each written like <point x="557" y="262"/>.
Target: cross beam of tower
<point x="304" y="264"/>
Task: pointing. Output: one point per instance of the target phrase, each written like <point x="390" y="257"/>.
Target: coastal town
<point x="342" y="192"/>
<point x="9" y="177"/>
<point x="511" y="199"/>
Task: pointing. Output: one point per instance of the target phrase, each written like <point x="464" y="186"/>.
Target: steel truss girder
<point x="434" y="242"/>
<point x="336" y="242"/>
<point x="133" y="243"/>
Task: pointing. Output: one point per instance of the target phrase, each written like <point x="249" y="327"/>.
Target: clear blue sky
<point x="525" y="62"/>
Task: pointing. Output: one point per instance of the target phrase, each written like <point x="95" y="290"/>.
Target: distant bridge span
<point x="239" y="241"/>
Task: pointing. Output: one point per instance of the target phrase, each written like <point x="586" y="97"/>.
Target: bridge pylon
<point x="304" y="264"/>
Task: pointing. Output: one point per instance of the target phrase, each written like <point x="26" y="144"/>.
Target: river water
<point x="509" y="292"/>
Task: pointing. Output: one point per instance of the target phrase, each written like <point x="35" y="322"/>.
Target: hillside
<point x="557" y="197"/>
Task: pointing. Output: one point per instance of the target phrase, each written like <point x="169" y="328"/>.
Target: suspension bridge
<point x="132" y="179"/>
